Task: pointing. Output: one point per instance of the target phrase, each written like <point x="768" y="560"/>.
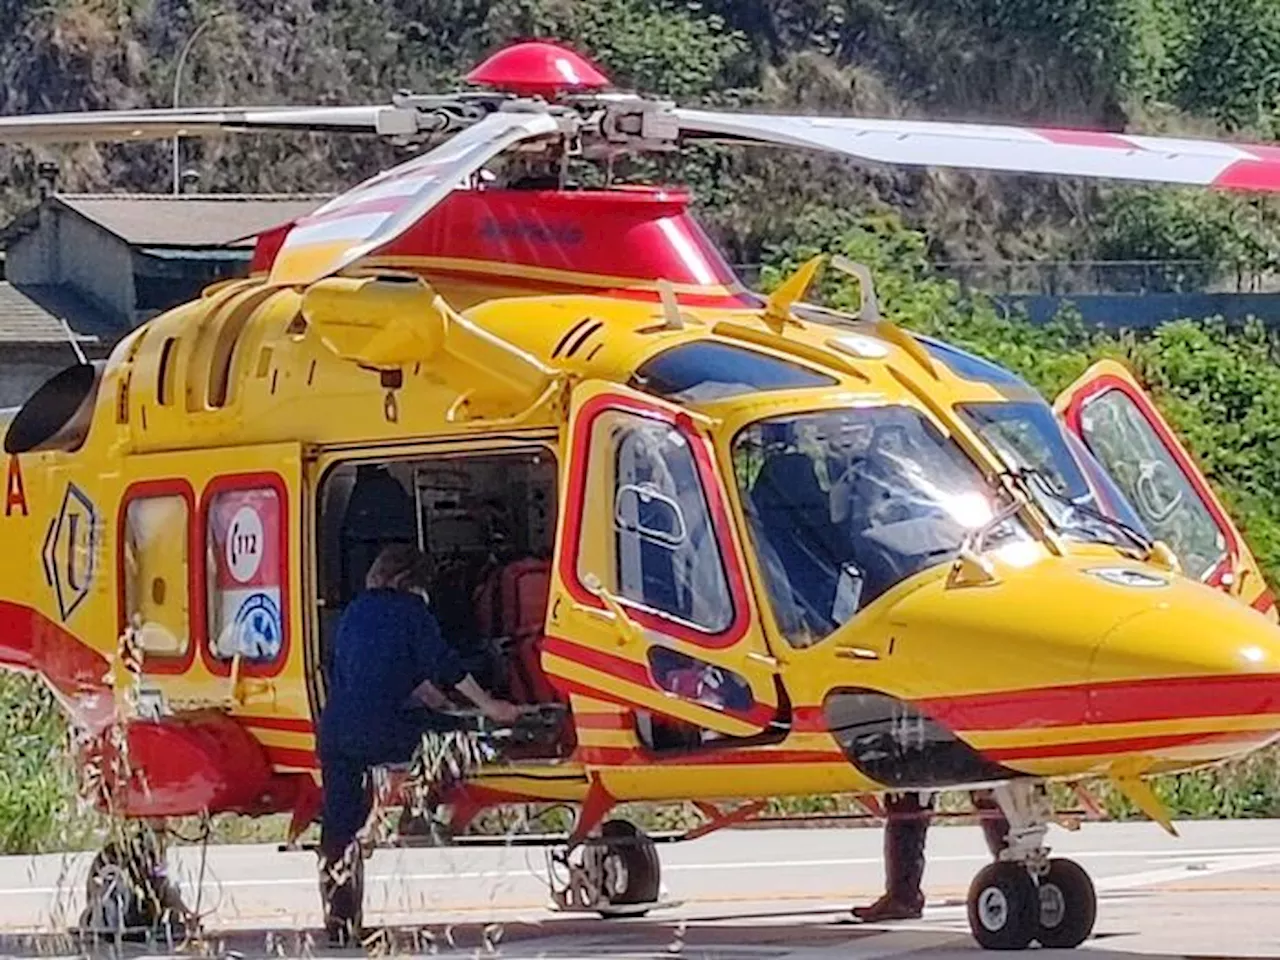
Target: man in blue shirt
<point x="389" y="668"/>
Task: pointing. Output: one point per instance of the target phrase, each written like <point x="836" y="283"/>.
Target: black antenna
<point x="74" y="341"/>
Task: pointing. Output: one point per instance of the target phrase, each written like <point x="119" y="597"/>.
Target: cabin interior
<point x="487" y="521"/>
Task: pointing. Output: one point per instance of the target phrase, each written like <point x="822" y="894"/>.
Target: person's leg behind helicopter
<point x="906" y="829"/>
<point x="347" y="803"/>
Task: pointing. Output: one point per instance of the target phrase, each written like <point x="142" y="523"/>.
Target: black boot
<point x="904" y="839"/>
<point x="342" y="895"/>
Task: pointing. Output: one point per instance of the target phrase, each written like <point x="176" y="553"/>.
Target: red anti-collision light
<point x="538" y="68"/>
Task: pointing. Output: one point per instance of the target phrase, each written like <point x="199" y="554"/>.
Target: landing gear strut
<point x="1027" y="896"/>
<point x="616" y="874"/>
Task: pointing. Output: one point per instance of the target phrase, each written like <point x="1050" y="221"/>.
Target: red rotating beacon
<point x="538" y="69"/>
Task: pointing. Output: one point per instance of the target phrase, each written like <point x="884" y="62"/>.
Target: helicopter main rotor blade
<point x="126" y="125"/>
<point x="377" y="211"/>
<point x="1075" y="153"/>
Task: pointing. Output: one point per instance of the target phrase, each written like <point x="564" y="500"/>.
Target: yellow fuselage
<point x="1035" y="658"/>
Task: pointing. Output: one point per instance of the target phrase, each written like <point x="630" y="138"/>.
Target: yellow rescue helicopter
<point x="725" y="547"/>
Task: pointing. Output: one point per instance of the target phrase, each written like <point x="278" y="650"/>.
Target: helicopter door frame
<point x="321" y="460"/>
<point x="1236" y="571"/>
<point x="604" y="645"/>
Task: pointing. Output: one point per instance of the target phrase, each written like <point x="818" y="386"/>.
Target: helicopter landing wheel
<point x="616" y="874"/>
<point x="128" y="894"/>
<point x="628" y="870"/>
<point x="1068" y="905"/>
<point x="1004" y="907"/>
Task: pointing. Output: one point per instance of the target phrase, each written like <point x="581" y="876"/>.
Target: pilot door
<point x="1116" y="420"/>
<point x="650" y="606"/>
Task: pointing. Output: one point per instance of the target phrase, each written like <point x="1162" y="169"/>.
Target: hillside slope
<point x="1138" y="64"/>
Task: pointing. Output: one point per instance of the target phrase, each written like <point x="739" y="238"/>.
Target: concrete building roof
<point x="30" y="315"/>
<point x="192" y="220"/>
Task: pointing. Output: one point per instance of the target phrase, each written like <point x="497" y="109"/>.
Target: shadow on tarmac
<point x="753" y="936"/>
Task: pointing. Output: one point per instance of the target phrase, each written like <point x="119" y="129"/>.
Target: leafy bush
<point x="1219" y="230"/>
<point x="1228" y="67"/>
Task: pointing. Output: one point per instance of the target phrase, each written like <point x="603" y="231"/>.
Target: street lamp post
<point x="177" y="87"/>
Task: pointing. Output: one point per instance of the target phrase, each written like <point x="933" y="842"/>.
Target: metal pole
<point x="177" y="86"/>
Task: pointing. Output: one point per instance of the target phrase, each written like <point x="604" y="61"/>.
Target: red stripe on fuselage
<point x="290" y="757"/>
<point x="619" y="667"/>
<point x="1124" y="701"/>
<point x="747" y="756"/>
<point x="605" y="721"/>
<point x="1098" y="748"/>
<point x="288" y="724"/>
<point x="635" y="673"/>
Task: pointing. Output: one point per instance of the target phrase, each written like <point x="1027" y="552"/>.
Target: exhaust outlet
<point x="59" y="414"/>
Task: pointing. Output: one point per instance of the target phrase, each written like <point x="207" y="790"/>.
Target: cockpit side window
<point x="844" y="504"/>
<point x="706" y="370"/>
<point x="1027" y="436"/>
<point x="1127" y="446"/>
<point x="665" y="558"/>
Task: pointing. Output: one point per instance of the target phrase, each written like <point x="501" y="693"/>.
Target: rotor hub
<point x="538" y="69"/>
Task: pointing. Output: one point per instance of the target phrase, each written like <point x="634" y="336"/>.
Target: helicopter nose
<point x="1193" y="678"/>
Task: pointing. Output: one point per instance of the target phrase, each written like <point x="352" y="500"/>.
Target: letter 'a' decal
<point x="15" y="495"/>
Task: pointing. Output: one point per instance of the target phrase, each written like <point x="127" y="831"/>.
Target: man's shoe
<point x="890" y="908"/>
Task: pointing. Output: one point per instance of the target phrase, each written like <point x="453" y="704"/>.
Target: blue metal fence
<point x="1135" y="294"/>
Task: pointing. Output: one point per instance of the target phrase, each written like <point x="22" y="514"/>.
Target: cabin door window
<point x="666" y="558"/>
<point x="246" y="570"/>
<point x="155" y="567"/>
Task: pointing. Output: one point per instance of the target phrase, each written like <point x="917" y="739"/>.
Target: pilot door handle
<point x="854" y="652"/>
<point x="628" y="632"/>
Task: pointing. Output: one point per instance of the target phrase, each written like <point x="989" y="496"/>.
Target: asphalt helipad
<point x="743" y="895"/>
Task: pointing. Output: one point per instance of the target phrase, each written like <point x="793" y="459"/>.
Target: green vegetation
<point x="37" y="781"/>
<point x="1187" y="67"/>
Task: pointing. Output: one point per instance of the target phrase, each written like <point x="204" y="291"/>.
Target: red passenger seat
<point x="511" y="607"/>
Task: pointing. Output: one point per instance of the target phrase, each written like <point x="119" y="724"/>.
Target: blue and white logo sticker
<point x="257" y="632"/>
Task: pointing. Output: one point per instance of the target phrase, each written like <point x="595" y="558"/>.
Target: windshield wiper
<point x="1024" y="476"/>
<point x="975" y="540"/>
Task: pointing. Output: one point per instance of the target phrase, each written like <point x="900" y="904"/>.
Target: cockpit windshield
<point x="844" y="504"/>
<point x="1029" y="439"/>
